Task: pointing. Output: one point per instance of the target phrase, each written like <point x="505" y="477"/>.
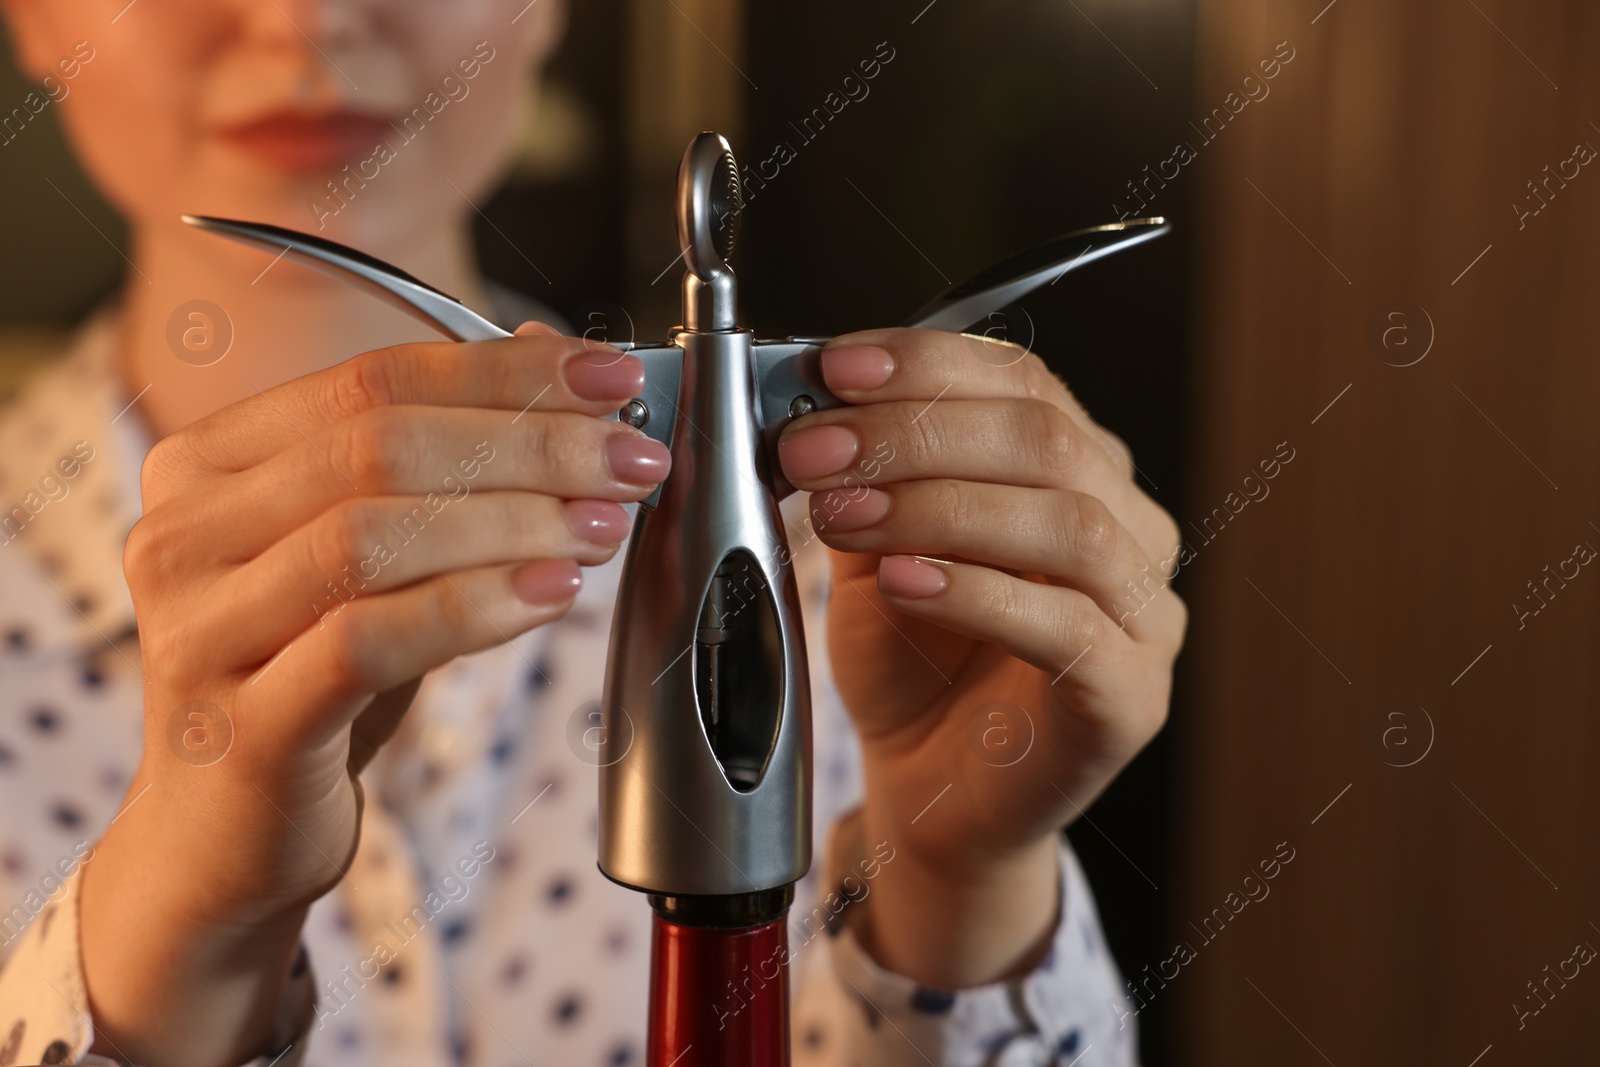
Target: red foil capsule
<point x="719" y="997"/>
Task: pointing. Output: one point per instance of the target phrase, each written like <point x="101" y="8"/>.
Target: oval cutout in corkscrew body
<point x="738" y="670"/>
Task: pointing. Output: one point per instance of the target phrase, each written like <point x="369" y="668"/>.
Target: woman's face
<point x="353" y="118"/>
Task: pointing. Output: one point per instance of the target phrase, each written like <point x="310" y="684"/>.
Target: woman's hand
<point x="304" y="557"/>
<point x="999" y="690"/>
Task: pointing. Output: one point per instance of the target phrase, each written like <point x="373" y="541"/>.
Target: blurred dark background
<point x="1430" y="883"/>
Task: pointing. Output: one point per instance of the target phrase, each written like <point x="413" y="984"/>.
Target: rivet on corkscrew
<point x="635" y="413"/>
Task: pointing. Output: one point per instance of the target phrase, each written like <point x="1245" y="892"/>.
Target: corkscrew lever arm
<point x="787" y="376"/>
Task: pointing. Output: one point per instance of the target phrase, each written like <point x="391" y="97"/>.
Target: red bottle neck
<point x="719" y="996"/>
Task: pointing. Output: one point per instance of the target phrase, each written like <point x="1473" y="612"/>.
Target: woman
<point x="376" y="768"/>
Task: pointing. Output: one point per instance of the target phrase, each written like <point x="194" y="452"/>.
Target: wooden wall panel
<point x="1389" y="552"/>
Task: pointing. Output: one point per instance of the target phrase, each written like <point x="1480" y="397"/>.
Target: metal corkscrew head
<point x="710" y="205"/>
<point x="707" y="670"/>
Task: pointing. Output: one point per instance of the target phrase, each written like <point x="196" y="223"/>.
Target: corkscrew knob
<point x="710" y="205"/>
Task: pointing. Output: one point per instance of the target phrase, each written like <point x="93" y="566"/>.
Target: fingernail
<point x="549" y="581"/>
<point x="599" y="522"/>
<point x="856" y="367"/>
<point x="638" y="459"/>
<point x="534" y="328"/>
<point x="848" y="510"/>
<point x="604" y="374"/>
<point x="817" y="451"/>
<point x="910" y="578"/>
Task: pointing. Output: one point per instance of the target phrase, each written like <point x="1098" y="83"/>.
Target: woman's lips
<point x="300" y="142"/>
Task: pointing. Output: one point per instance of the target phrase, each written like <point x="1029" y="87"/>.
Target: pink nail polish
<point x="548" y="581"/>
<point x="816" y="452"/>
<point x="911" y="579"/>
<point x="637" y="459"/>
<point x="599" y="522"/>
<point x="848" y="510"/>
<point x="856" y="367"/>
<point x="604" y="374"/>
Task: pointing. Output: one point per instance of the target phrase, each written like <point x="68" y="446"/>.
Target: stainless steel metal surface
<point x="1016" y="276"/>
<point x="707" y="668"/>
<point x="710" y="205"/>
<point x="682" y="812"/>
<point x="389" y="283"/>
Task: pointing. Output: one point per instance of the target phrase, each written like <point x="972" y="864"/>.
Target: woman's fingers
<point x="1062" y="632"/>
<point x="447" y="453"/>
<point x="366" y="546"/>
<point x="1012" y="442"/>
<point x="537" y="372"/>
<point x="1069" y="537"/>
<point x="873" y="366"/>
<point x="319" y="682"/>
<point x="1023" y="442"/>
<point x="877" y="365"/>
